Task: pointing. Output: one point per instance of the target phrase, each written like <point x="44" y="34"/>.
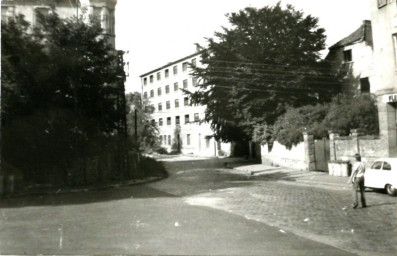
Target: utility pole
<point x="136" y="124"/>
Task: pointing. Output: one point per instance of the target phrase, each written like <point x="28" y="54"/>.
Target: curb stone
<point x="84" y="189"/>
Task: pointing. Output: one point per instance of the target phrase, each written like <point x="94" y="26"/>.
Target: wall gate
<point x="321" y="154"/>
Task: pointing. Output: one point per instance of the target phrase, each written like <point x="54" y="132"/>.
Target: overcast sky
<point x="156" y="32"/>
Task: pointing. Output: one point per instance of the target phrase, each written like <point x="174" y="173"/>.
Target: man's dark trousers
<point x="359" y="184"/>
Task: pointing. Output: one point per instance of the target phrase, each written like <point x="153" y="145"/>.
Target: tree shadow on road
<point x="278" y="175"/>
<point x="84" y="197"/>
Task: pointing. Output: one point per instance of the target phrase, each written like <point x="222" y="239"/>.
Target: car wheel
<point x="391" y="190"/>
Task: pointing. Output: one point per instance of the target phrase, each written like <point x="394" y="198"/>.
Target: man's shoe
<point x="364" y="206"/>
<point x="354" y="206"/>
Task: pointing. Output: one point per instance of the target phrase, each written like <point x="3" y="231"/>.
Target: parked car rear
<point x="382" y="175"/>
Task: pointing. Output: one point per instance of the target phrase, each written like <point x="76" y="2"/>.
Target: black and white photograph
<point x="212" y="127"/>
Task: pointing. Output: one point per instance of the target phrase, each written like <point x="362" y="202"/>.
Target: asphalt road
<point x="155" y="218"/>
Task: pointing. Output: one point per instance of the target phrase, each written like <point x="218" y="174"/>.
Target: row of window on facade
<point x="167" y="88"/>
<point x="177" y="120"/>
<point x="103" y="15"/>
<point x="168" y="104"/>
<point x="167" y="73"/>
<point x="167" y="140"/>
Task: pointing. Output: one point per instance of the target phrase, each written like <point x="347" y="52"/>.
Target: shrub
<point x="288" y="129"/>
<point x="348" y="113"/>
<point x="342" y="114"/>
<point x="152" y="168"/>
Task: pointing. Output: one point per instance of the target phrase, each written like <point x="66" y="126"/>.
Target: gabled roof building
<point x="352" y="55"/>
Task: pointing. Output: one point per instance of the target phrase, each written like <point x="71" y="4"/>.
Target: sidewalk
<point x="294" y="176"/>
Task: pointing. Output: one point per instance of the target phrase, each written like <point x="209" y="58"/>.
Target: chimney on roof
<point x="198" y="48"/>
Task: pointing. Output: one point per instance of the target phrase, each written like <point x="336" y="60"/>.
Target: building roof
<point x="171" y="63"/>
<point x="362" y="34"/>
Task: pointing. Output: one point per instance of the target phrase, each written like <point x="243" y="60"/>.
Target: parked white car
<point x="383" y="175"/>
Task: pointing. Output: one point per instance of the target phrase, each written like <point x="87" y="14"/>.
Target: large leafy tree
<point x="61" y="85"/>
<point x="268" y="60"/>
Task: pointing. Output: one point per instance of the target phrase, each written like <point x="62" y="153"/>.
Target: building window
<point x="166" y="73"/>
<point x="177" y="120"/>
<point x="194" y="81"/>
<point x="158" y="76"/>
<point x="196" y="117"/>
<point x="153" y="122"/>
<point x="168" y="120"/>
<point x="160" y="106"/>
<point x="207" y="142"/>
<point x="145" y="95"/>
<point x="160" y="121"/>
<point x="161" y="139"/>
<point x="151" y="93"/>
<point x="175" y="69"/>
<point x="104" y="15"/>
<point x="111" y="26"/>
<point x="165" y="139"/>
<point x="395" y="47"/>
<point x="347" y="56"/>
<point x="185" y="84"/>
<point x="364" y="85"/>
<point x="188" y="139"/>
<point x="7" y="12"/>
<point x="177" y="103"/>
<point x="42" y="10"/>
<point x="187" y="119"/>
<point x="167" y="89"/>
<point x="176" y="87"/>
<point x="382" y="3"/>
<point x="168" y="105"/>
<point x="151" y="78"/>
<point x="147" y="109"/>
<point x="145" y="81"/>
<point x="194" y="62"/>
<point x="159" y="91"/>
<point x="186" y="101"/>
<point x="169" y="139"/>
<point x="184" y="66"/>
<point x="4" y="10"/>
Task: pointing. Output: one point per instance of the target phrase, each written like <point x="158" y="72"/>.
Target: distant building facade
<point x="103" y="10"/>
<point x="354" y="55"/>
<point x="180" y="123"/>
<point x="384" y="28"/>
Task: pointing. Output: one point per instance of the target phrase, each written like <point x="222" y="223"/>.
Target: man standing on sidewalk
<point x="357" y="178"/>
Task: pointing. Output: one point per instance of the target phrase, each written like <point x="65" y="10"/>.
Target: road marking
<point x="60" y="237"/>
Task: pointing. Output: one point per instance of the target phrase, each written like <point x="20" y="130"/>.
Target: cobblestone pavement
<point x="321" y="214"/>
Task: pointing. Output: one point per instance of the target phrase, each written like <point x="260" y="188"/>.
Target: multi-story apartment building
<point x="101" y="9"/>
<point x="352" y="55"/>
<point x="384" y="29"/>
<point x="180" y="123"/>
